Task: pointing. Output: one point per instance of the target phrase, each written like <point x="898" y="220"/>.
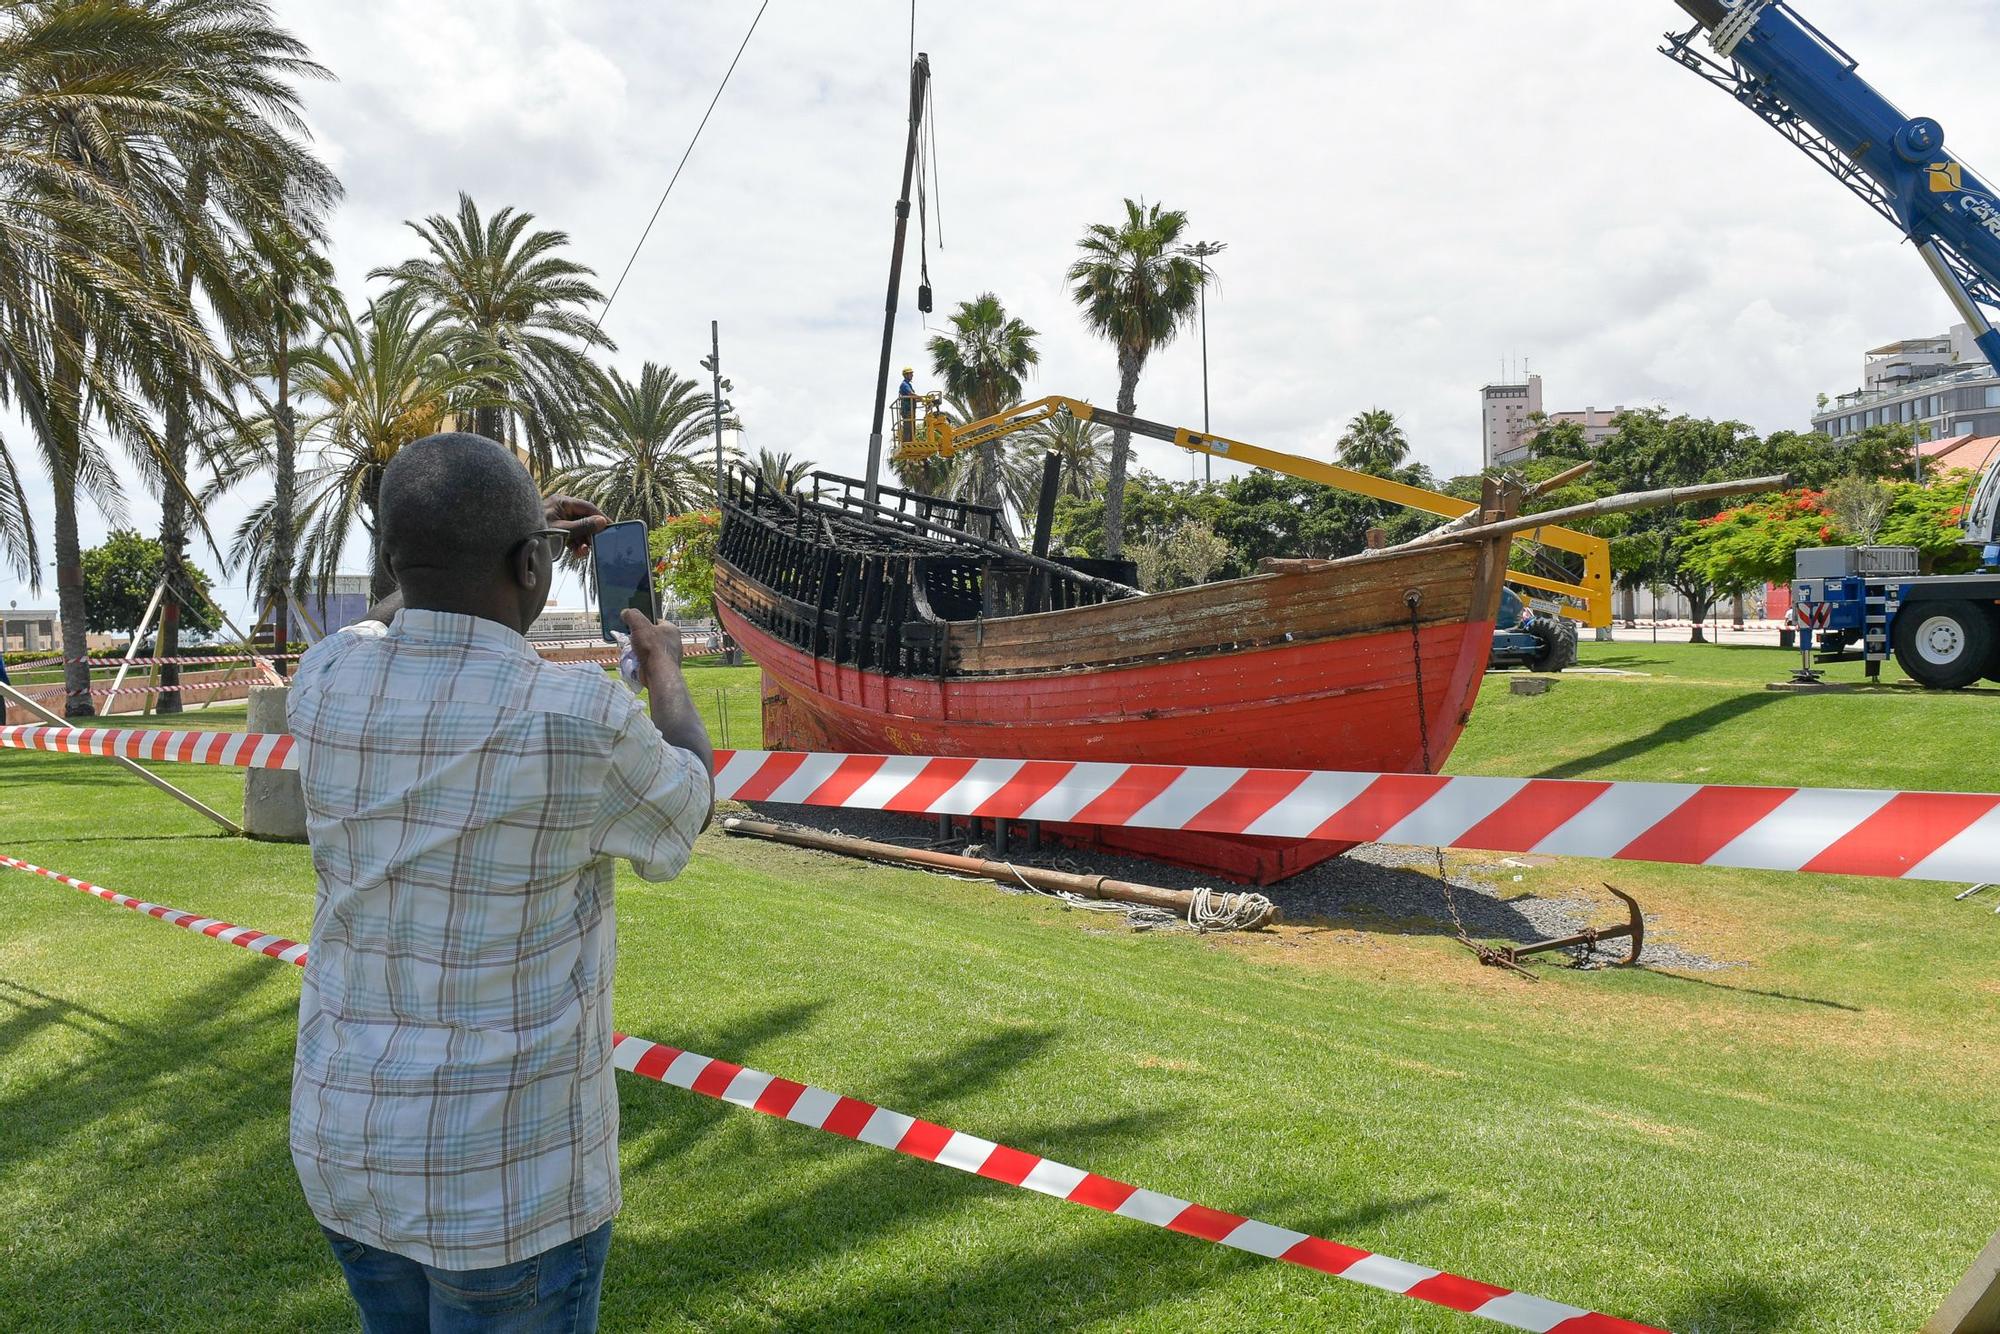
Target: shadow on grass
<point x="1672" y="730"/>
<point x="31" y="1011"/>
<point x="1746" y="1304"/>
<point x="159" y="1147"/>
<point x="808" y="1215"/>
<point x="1753" y="991"/>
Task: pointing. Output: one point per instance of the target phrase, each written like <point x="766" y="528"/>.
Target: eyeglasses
<point x="555" y="539"/>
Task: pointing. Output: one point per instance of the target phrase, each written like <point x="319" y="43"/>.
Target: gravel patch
<point x="1376" y="887"/>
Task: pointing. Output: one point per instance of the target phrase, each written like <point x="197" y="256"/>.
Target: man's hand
<point x="579" y="518"/>
<point x="657" y="646"/>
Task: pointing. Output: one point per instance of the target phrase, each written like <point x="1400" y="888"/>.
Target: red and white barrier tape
<point x="1950" y="836"/>
<point x="110" y="663"/>
<point x="242" y="750"/>
<point x="141" y="687"/>
<point x="854" y="1119"/>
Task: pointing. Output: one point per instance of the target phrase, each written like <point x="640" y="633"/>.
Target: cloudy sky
<point x="1412" y="195"/>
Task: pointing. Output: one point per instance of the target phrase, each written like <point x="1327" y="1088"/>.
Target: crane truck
<point x="1944" y="630"/>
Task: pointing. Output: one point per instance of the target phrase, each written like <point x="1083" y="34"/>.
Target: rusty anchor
<point x="1510" y="956"/>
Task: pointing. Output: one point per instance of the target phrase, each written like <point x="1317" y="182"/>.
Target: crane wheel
<point x="1945" y="645"/>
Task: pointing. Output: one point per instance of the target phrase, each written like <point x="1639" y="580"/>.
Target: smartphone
<point x="624" y="571"/>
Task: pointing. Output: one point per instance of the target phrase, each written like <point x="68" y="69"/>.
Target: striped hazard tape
<point x="241" y="750"/>
<point x="1951" y="836"/>
<point x="867" y="1123"/>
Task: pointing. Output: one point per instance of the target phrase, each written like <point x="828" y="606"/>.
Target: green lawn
<point x="1700" y="714"/>
<point x="1804" y="1142"/>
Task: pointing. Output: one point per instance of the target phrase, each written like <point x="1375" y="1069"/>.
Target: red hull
<point x="1344" y="703"/>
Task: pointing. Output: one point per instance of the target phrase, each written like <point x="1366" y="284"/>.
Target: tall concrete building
<point x="1507" y="419"/>
<point x="1504" y="412"/>
<point x="1939" y="386"/>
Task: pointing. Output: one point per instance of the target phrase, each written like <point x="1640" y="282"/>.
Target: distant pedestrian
<point x="454" y="1120"/>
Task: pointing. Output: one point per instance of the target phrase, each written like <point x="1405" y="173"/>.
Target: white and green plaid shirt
<point x="452" y="1095"/>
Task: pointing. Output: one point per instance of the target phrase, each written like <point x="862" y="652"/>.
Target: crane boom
<point x="937" y="436"/>
<point x="1770" y="57"/>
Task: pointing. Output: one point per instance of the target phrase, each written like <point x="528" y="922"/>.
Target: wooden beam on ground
<point x="1973" y="1307"/>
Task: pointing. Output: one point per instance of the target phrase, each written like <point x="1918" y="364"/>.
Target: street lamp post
<point x="1201" y="250"/>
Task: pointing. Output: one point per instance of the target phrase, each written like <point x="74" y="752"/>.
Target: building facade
<point x="1511" y="413"/>
<point x="29" y="630"/>
<point x="1504" y="419"/>
<point x="1939" y="386"/>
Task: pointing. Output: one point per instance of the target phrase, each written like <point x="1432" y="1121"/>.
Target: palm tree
<point x="132" y="135"/>
<point x="382" y="381"/>
<point x="515" y="308"/>
<point x="1083" y="447"/>
<point x="646" y="448"/>
<point x="1137" y="288"/>
<point x="982" y="364"/>
<point x="286" y="292"/>
<point x="1374" y="443"/>
<point x="783" y="473"/>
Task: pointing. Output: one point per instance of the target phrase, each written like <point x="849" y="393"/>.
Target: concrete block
<point x="274" y="807"/>
<point x="1973" y="1307"/>
<point x="1530" y="685"/>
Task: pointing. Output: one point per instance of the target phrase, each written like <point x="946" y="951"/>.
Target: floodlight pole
<point x="1201" y="250"/>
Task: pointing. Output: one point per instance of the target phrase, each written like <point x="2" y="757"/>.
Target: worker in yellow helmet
<point x="906" y="406"/>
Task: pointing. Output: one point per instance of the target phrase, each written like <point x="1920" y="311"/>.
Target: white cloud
<point x="1410" y="194"/>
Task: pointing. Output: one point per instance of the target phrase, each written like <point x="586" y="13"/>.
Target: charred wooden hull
<point x="1313" y="668"/>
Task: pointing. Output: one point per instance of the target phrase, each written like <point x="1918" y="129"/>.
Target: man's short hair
<point x="455" y="503"/>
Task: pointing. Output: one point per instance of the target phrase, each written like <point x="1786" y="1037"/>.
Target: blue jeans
<point x="551" y="1293"/>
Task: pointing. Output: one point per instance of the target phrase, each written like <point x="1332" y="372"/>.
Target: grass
<point x="1802" y="1142"/>
<point x="1699" y="713"/>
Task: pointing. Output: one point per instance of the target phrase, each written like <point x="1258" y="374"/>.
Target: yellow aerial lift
<point x="929" y="432"/>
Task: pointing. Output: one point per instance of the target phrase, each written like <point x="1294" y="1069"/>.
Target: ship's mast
<point x="920" y="74"/>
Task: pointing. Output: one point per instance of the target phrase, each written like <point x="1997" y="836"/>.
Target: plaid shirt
<point x="452" y="1095"/>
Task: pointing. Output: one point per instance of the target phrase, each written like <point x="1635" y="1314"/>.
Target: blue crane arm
<point x="1775" y="62"/>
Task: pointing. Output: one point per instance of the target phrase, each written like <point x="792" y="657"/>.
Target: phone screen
<point x="624" y="572"/>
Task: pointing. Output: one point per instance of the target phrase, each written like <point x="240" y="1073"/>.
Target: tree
<point x="1756" y="543"/>
<point x="1930" y="516"/>
<point x="684" y="549"/>
<point x="648" y="448"/>
<point x="1548" y="439"/>
<point x="1373" y="443"/>
<point x="1154" y="507"/>
<point x="1194" y="552"/>
<point x="783" y="473"/>
<point x="1886" y="450"/>
<point x="981" y="363"/>
<point x="514" y="308"/>
<point x="131" y="134"/>
<point x="1137" y="288"/>
<point x="380" y="381"/>
<point x="285" y="288"/>
<point x="1083" y="447"/>
<point x="1859" y="505"/>
<point x="1649" y="449"/>
<point x="118" y="582"/>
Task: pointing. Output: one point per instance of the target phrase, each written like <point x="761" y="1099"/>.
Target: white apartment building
<point x="1939" y="386"/>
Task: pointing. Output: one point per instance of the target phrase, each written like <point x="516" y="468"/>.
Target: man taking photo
<point x="454" y="1122"/>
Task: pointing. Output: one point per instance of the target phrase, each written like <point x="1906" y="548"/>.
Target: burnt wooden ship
<point x="913" y="625"/>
